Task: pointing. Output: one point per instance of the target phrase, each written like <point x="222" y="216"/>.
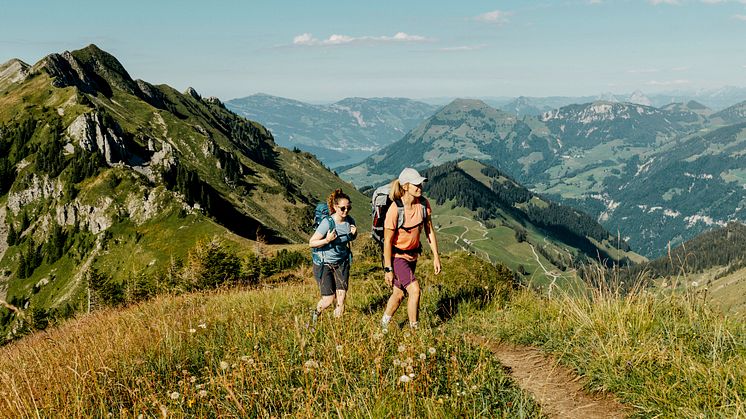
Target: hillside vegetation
<point x="252" y="352"/>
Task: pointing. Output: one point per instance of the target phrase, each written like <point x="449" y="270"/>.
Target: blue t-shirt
<point x="338" y="250"/>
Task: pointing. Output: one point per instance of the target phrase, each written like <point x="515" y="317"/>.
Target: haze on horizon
<point x="327" y="50"/>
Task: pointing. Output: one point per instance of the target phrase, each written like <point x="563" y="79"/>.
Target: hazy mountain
<point x="732" y="115"/>
<point x="655" y="175"/>
<point x="100" y="172"/>
<point x="563" y="236"/>
<point x="341" y="133"/>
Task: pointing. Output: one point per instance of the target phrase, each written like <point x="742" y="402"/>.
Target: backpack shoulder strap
<point x="399" y="213"/>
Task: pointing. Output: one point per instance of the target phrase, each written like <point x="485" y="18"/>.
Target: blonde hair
<point x="334" y="198"/>
<point x="397" y="190"/>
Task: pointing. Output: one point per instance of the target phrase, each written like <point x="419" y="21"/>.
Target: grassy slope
<point x="250" y="353"/>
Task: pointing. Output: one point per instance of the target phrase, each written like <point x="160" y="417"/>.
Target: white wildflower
<point x="192" y="330"/>
<point x="202" y="393"/>
<point x="202" y="325"/>
<point x="405" y="379"/>
<point x="397" y="362"/>
<point x="339" y="348"/>
<point x="431" y="350"/>
<point x="402" y="348"/>
<point x="174" y="395"/>
<point x="224" y="365"/>
<point x="423" y="356"/>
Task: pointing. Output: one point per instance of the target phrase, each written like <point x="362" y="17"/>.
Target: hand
<point x="436" y="265"/>
<point x="331" y="235"/>
<point x="353" y="229"/>
<point x="389" y="276"/>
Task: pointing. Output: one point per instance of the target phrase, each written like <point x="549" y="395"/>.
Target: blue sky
<point x="326" y="50"/>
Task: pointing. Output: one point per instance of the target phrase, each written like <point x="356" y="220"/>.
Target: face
<point x="343" y="207"/>
<point x="414" y="190"/>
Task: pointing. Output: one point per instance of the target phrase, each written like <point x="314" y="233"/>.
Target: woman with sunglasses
<point x="401" y="244"/>
<point x="332" y="239"/>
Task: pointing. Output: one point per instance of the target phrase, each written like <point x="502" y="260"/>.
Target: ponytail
<point x="397" y="190"/>
<point x="334" y="197"/>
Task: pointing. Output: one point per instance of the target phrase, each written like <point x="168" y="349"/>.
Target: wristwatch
<point x="387" y="269"/>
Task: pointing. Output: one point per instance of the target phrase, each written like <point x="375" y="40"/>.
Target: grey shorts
<point x="332" y="277"/>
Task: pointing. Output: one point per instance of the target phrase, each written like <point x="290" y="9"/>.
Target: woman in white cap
<point x="401" y="244"/>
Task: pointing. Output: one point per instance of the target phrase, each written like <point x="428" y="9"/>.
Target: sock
<point x="385" y="319"/>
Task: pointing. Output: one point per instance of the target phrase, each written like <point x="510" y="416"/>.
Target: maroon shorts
<point x="403" y="272"/>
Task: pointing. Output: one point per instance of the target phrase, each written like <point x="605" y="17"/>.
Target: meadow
<point x="253" y="351"/>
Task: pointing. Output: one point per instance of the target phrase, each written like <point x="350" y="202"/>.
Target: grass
<point x="250" y="352"/>
<point x="667" y="355"/>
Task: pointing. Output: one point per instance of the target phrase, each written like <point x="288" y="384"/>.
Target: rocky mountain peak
<point x="13" y="71"/>
<point x="193" y="93"/>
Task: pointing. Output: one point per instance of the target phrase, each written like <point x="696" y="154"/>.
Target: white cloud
<point x="594" y="1"/>
<point x="713" y="1"/>
<point x="682" y="68"/>
<point x="668" y="82"/>
<point x="740" y="17"/>
<point x="672" y="2"/>
<point x="306" y="39"/>
<point x="497" y="17"/>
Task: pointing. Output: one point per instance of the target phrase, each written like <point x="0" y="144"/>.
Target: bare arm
<point x="433" y="244"/>
<point x="388" y="236"/>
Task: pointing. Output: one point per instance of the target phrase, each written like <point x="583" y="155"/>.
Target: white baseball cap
<point x="409" y="175"/>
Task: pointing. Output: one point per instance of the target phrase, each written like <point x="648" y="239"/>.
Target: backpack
<point x="380" y="203"/>
<point x="319" y="214"/>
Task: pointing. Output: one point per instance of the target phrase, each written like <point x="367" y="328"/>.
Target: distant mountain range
<point x="338" y="134"/>
<point x="518" y="228"/>
<point x="657" y="175"/>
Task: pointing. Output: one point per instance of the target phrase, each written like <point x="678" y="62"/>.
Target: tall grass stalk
<point x="669" y="355"/>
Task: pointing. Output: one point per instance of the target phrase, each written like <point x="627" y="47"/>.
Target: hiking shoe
<point x="414" y="326"/>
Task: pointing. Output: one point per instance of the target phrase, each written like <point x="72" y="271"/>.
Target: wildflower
<point x="407" y="334"/>
<point x="174" y="395"/>
<point x="423" y="356"/>
<point x="190" y="403"/>
<point x="192" y="379"/>
<point x="199" y="386"/>
<point x="410" y="361"/>
<point x="397" y="362"/>
<point x="224" y="365"/>
<point x="411" y="375"/>
<point x="247" y="360"/>
<point x="431" y="350"/>
<point x="202" y="325"/>
<point x="384" y="331"/>
<point x="405" y="379"/>
<point x="311" y="364"/>
<point x="410" y="369"/>
<point x="695" y="283"/>
<point x="202" y="393"/>
<point x="402" y="348"/>
<point x="192" y="330"/>
<point x="339" y="348"/>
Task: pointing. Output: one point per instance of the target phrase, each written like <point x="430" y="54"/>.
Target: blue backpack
<point x="320" y="213"/>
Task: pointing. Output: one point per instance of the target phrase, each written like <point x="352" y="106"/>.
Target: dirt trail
<point x="556" y="388"/>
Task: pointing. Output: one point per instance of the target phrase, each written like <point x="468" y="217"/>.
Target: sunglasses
<point x="345" y="208"/>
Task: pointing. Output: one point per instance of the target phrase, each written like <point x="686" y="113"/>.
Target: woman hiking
<point x="401" y="245"/>
<point x="331" y="243"/>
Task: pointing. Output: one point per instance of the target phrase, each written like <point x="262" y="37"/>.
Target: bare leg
<point x="324" y="302"/>
<point x="341" y="294"/>
<point x="413" y="304"/>
<point x="394" y="302"/>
